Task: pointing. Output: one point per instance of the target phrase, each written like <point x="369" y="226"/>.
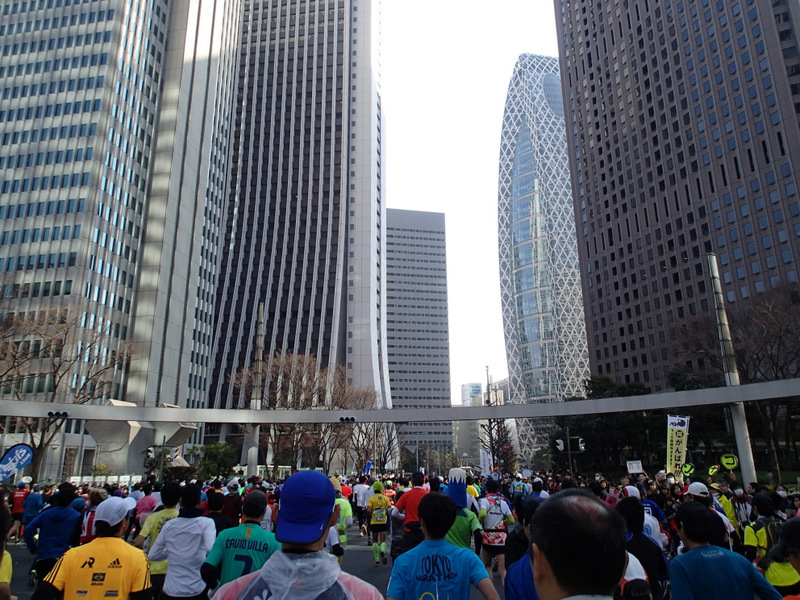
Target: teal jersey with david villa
<point x="241" y="550"/>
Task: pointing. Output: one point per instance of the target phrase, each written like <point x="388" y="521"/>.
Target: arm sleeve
<point x="209" y="574"/>
<point x="141" y="595"/>
<point x="158" y="551"/>
<point x="30" y="530"/>
<point x="45" y="591"/>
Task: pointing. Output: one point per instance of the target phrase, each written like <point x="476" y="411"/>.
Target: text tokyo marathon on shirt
<point x="435" y="569"/>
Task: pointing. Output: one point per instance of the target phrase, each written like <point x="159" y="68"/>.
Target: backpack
<point x="772" y="528"/>
<point x="496" y="510"/>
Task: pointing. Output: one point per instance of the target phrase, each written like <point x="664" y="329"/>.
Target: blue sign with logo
<point x="368" y="468"/>
<point x="15" y="458"/>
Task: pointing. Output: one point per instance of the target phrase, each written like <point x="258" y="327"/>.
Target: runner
<point x="106" y="567"/>
<point x="435" y="568"/>
<point x="55" y="527"/>
<point x="301" y="570"/>
<point x="184" y="542"/>
<point x="378" y="507"/>
<point x="6" y="562"/>
<point x="151" y="529"/>
<point x="345" y="516"/>
<point x="243" y="549"/>
<point x="494" y="515"/>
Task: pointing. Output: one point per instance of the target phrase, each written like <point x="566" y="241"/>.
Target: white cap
<point x="631" y="491"/>
<point x="112" y="510"/>
<point x="539" y="479"/>
<point x="233" y="483"/>
<point x="695" y="488"/>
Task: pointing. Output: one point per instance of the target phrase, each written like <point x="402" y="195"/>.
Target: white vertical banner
<point x="486" y="467"/>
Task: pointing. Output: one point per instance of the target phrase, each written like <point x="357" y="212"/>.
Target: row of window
<point x="38" y="261"/>
<point x="59" y="43"/>
<point x="49" y="133"/>
<point x="54" y="157"/>
<point x="13" y="8"/>
<point x="114" y="245"/>
<point x="46" y="234"/>
<point x="32" y="184"/>
<point x="110" y="299"/>
<point x="48" y="66"/>
<point x="49" y="110"/>
<point x="38" y="209"/>
<point x="109" y="271"/>
<point x="52" y="87"/>
<point x="45" y="289"/>
<point x="65" y="21"/>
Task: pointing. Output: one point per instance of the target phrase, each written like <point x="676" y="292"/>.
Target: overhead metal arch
<point x="772" y="390"/>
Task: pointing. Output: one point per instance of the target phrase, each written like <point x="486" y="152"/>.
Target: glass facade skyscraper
<point x="543" y="317"/>
<point x="682" y="123"/>
<point x="114" y="120"/>
<point x="306" y="217"/>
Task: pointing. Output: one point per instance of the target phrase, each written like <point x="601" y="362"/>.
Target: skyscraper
<point x="682" y="123"/>
<point x="417" y="333"/>
<point x="113" y="121"/>
<point x="305" y="220"/>
<point x="543" y="318"/>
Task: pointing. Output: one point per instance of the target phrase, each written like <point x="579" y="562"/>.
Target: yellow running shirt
<point x="104" y="568"/>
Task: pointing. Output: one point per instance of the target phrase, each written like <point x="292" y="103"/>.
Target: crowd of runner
<point x="547" y="536"/>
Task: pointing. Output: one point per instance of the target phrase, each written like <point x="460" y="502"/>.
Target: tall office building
<point x="306" y="219"/>
<point x="467" y="433"/>
<point x="417" y="334"/>
<point x="543" y="317"/>
<point x="111" y="117"/>
<point x="682" y="122"/>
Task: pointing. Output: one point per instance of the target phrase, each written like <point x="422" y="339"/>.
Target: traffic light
<point x="347" y="419"/>
<point x="560" y="445"/>
<point x="151" y="452"/>
<point x="57" y="414"/>
<point x="581" y="444"/>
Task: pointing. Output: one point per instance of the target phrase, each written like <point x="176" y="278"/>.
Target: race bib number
<point x="379" y="515"/>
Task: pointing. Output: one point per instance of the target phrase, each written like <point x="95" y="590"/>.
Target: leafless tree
<point x="766" y="338"/>
<point x="58" y="356"/>
<point x="297" y="382"/>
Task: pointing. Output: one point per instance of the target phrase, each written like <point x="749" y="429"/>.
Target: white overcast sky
<point x="446" y="68"/>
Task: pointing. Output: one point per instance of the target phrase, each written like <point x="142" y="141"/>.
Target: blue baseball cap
<point x="306" y="504"/>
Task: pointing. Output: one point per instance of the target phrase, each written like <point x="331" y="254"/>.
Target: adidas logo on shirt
<point x="115" y="564"/>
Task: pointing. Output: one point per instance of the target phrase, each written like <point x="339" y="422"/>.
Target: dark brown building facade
<point x="682" y="124"/>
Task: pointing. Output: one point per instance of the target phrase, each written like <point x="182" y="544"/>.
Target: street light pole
<point x="569" y="451"/>
<point x="254" y="433"/>
<point x="740" y="430"/>
<point x="489" y="422"/>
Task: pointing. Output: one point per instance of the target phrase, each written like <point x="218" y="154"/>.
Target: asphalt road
<point x="358" y="561"/>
